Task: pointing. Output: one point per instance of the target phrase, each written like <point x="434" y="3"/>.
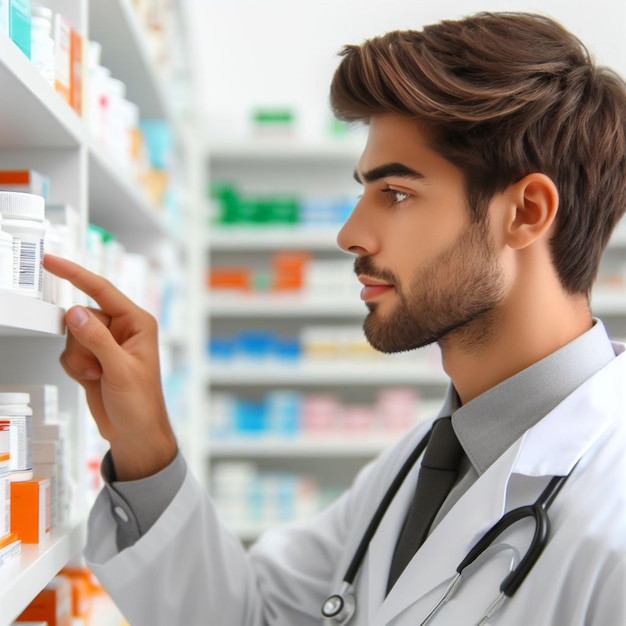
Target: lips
<point x="373" y="288"/>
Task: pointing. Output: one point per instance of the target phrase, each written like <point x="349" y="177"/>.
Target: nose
<point x="357" y="235"/>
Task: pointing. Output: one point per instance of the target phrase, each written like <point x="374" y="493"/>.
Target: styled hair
<point x="502" y="95"/>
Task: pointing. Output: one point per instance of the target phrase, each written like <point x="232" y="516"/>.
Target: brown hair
<point x="503" y="95"/>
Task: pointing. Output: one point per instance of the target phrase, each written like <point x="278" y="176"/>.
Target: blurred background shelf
<point x="241" y="238"/>
<point x="329" y="374"/>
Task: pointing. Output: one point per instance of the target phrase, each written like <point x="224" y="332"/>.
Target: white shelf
<point x="379" y="372"/>
<point x="22" y="579"/>
<point x="118" y="204"/>
<point x="40" y="130"/>
<point x="280" y="148"/>
<point x="238" y="238"/>
<point x="278" y="306"/>
<point x="349" y="446"/>
<point x="21" y="315"/>
<point x="115" y="25"/>
<point x="32" y="113"/>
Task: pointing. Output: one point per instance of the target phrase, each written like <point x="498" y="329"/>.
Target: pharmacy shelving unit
<point x="265" y="166"/>
<point x="38" y="130"/>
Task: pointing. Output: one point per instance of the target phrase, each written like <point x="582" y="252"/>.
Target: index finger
<point x="110" y="299"/>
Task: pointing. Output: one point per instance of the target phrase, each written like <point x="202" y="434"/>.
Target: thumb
<point x="94" y="335"/>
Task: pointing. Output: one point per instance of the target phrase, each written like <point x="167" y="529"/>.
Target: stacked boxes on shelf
<point x="230" y="207"/>
<point x="265" y="498"/>
<point x="148" y="283"/>
<point x="287" y="414"/>
<point x="67" y="599"/>
<point x="288" y="273"/>
<point x="35" y="475"/>
<point x="10" y="544"/>
<point x="338" y="344"/>
<point x="73" y="69"/>
<point x="50" y="41"/>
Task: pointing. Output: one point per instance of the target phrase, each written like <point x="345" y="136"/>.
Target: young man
<point x="493" y="175"/>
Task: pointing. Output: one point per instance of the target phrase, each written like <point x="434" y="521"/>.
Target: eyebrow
<point x="388" y="169"/>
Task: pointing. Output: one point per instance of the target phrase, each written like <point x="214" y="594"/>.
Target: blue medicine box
<point x="250" y="417"/>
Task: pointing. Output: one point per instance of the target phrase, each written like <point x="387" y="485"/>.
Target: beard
<point x="456" y="293"/>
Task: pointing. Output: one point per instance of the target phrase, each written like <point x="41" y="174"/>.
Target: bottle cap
<point x="22" y="206"/>
<point x="14" y="398"/>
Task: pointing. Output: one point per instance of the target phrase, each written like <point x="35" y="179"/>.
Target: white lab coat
<point x="188" y="570"/>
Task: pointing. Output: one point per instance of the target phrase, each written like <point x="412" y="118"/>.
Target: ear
<point x="535" y="202"/>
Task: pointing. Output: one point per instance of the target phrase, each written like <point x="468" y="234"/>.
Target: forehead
<point x="400" y="139"/>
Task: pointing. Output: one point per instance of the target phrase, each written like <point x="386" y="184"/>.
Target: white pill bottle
<point x="15" y="407"/>
<point x="23" y="218"/>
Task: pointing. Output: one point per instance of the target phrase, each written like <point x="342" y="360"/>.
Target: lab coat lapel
<point x="437" y="559"/>
<point x="576" y="425"/>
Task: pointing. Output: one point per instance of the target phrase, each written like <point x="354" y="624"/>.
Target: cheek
<point x="414" y="243"/>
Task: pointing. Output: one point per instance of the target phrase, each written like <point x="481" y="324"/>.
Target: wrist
<point x="137" y="459"/>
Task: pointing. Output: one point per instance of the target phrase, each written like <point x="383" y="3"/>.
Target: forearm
<point x="187" y="569"/>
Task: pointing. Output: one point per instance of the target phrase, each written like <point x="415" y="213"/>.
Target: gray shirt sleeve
<point x="138" y="504"/>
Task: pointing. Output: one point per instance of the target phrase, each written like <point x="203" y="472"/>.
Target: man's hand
<point x="113" y="354"/>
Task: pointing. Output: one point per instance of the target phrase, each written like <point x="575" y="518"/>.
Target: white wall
<point x="284" y="51"/>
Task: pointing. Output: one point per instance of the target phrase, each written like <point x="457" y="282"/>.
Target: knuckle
<point x="149" y="322"/>
<point x="67" y="363"/>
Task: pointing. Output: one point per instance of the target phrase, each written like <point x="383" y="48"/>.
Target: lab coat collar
<point x="551" y="447"/>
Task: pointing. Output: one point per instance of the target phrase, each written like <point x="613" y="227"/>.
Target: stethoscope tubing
<point x="538" y="511"/>
<point x="390" y="494"/>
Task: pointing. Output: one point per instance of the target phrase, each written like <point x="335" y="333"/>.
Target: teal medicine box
<point x="19" y="24"/>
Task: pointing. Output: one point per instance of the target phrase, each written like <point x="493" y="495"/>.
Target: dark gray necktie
<point x="437" y="475"/>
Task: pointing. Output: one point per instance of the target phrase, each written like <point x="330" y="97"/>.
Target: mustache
<point x="365" y="265"/>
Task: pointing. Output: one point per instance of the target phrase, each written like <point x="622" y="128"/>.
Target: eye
<point x="398" y="196"/>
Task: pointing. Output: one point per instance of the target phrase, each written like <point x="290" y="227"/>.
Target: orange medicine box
<point x="62" y="56"/>
<point x="80" y="579"/>
<point x="76" y="72"/>
<point x="53" y="605"/>
<point x="5" y="495"/>
<point x="30" y="509"/>
<point x="27" y="181"/>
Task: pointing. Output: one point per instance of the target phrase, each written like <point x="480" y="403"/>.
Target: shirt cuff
<point x="138" y="504"/>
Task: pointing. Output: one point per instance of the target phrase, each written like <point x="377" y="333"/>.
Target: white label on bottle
<point x="20" y="436"/>
<point x="16" y="262"/>
<point x="28" y="265"/>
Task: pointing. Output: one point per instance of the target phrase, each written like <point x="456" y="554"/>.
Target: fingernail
<point x="92" y="374"/>
<point x="77" y="317"/>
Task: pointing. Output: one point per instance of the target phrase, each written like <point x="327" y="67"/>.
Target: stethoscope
<point x="340" y="607"/>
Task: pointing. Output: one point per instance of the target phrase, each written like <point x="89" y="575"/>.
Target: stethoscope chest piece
<point x="339" y="608"/>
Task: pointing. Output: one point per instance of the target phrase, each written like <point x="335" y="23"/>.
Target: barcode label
<point x="28" y="265"/>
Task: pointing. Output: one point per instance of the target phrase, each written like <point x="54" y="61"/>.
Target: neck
<point x="507" y="341"/>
